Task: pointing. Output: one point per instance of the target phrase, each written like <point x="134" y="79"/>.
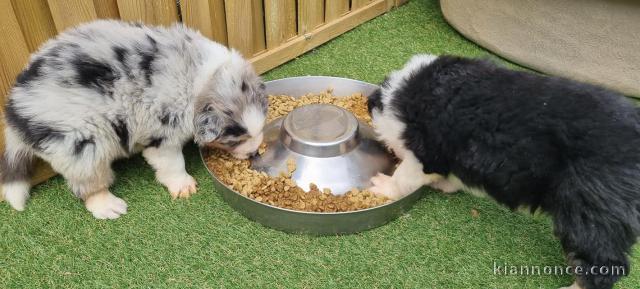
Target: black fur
<point x="569" y="148"/>
<point x="122" y="131"/>
<point x="169" y="118"/>
<point x="37" y="135"/>
<point x="234" y="130"/>
<point x="94" y="74"/>
<point x="155" y="142"/>
<point x="30" y="73"/>
<point x="374" y="101"/>
<point x="121" y="55"/>
<point x="147" y="58"/>
<point x="81" y="144"/>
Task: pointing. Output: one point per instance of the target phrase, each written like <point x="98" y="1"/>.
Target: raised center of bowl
<point x="320" y="130"/>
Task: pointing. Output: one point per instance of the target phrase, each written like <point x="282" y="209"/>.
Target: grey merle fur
<point x="107" y="89"/>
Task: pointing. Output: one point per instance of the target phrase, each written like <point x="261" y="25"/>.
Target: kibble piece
<point x="262" y="148"/>
<point x="291" y="166"/>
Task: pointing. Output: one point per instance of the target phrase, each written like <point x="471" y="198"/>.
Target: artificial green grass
<point x="202" y="243"/>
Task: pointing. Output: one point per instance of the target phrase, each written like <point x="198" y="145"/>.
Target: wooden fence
<point x="268" y="32"/>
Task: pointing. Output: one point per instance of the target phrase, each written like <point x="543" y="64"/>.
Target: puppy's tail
<point x="596" y="214"/>
<point x="15" y="170"/>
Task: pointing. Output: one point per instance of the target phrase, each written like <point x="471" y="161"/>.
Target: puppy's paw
<point x="384" y="185"/>
<point x="104" y="205"/>
<point x="182" y="186"/>
<point x="16" y="194"/>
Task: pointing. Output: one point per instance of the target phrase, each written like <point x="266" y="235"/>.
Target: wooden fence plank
<point x="218" y="21"/>
<point x="207" y="16"/>
<point x="13" y="56"/>
<point x="15" y="51"/>
<point x="35" y="21"/>
<point x="335" y="8"/>
<point x="68" y="13"/>
<point x="301" y="44"/>
<point x="155" y="12"/>
<point x="248" y="38"/>
<point x="280" y="21"/>
<point x="356" y="4"/>
<point x="259" y="43"/>
<point x="310" y="15"/>
<point x="195" y="14"/>
<point x="107" y="9"/>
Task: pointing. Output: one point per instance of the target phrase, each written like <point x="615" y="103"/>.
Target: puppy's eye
<point x="244" y="86"/>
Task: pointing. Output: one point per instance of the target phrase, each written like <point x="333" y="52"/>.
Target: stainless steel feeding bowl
<point x="332" y="149"/>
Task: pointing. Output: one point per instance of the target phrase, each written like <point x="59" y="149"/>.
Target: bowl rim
<point x="216" y="179"/>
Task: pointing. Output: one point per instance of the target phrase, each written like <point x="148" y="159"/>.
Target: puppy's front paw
<point x="16" y="194"/>
<point x="104" y="205"/>
<point x="182" y="186"/>
<point x="384" y="185"/>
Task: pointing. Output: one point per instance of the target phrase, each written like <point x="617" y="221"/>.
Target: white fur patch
<point x="254" y="120"/>
<point x="445" y="186"/>
<point x="16" y="194"/>
<point x="389" y="129"/>
<point x="456" y="182"/>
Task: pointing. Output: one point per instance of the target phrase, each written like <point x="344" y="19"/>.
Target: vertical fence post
<point x="280" y="21"/>
<point x="245" y="26"/>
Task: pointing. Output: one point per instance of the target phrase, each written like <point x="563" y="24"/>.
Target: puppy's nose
<point x="253" y="154"/>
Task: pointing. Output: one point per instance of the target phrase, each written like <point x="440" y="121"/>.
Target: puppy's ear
<point x="208" y="127"/>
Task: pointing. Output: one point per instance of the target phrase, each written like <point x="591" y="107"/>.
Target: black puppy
<point x="569" y="148"/>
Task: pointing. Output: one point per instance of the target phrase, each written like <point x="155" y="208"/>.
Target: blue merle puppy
<point x="568" y="148"/>
<point x="108" y="89"/>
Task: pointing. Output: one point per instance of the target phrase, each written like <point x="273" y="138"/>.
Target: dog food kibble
<point x="281" y="105"/>
<point x="282" y="191"/>
<point x="262" y="148"/>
